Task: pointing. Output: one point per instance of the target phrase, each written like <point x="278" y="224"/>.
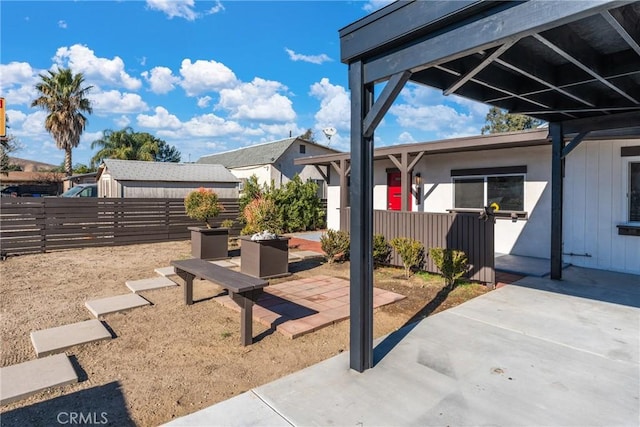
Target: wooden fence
<point x="462" y="231"/>
<point x="29" y="225"/>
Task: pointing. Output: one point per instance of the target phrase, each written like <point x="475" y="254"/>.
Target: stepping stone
<point x="166" y="271"/>
<point x="24" y="379"/>
<point x="308" y="254"/>
<point x="293" y="256"/>
<point x="100" y="307"/>
<point x="235" y="260"/>
<point x="224" y="263"/>
<point x="149" y="284"/>
<point x="56" y="340"/>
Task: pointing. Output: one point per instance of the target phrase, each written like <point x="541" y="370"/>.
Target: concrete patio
<point x="537" y="352"/>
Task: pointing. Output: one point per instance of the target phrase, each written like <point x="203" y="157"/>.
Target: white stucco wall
<point x="530" y="237"/>
<point x="595" y="201"/>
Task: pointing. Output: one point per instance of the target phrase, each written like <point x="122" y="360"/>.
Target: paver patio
<point x="297" y="307"/>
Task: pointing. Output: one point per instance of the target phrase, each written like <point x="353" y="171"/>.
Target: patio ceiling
<point x="555" y="61"/>
<point x="575" y="64"/>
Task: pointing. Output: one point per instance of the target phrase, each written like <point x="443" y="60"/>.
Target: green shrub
<point x="227" y="223"/>
<point x="452" y="264"/>
<point x="260" y="215"/>
<point x="335" y="243"/>
<point x="202" y="204"/>
<point x="411" y="253"/>
<point x="381" y="250"/>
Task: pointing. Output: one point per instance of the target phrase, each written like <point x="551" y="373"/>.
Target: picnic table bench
<point x="244" y="290"/>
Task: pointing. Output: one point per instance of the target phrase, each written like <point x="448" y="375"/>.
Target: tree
<point x="167" y="153"/>
<point x="125" y="144"/>
<point x="64" y="97"/>
<point x="498" y="121"/>
<point x="308" y="135"/>
<point x="78" y="169"/>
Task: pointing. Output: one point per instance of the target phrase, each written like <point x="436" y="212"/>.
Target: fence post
<point x="43" y="229"/>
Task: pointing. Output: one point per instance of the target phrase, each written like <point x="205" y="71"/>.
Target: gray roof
<point x="258" y="154"/>
<point x="134" y="170"/>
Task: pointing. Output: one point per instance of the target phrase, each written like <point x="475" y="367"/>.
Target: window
<point x="634" y="192"/>
<point x="477" y="192"/>
<point x="321" y="188"/>
<point x="303" y="149"/>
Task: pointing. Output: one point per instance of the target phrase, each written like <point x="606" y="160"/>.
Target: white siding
<point x="175" y="189"/>
<point x="595" y="202"/>
<point x="263" y="172"/>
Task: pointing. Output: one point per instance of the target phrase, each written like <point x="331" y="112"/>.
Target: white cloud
<point x="216" y="8"/>
<point x="372" y="5"/>
<point x="174" y="8"/>
<point x="258" y="100"/>
<point x="16" y="73"/>
<point x="314" y="59"/>
<point x="335" y="106"/>
<point x="208" y="125"/>
<point x="160" y="120"/>
<point x="161" y="80"/>
<point x="406" y="138"/>
<point x="62" y="24"/>
<point x="204" y="101"/>
<point x="205" y="76"/>
<point x="122" y="121"/>
<point x="81" y="59"/>
<point x="115" y="102"/>
<point x="272" y="132"/>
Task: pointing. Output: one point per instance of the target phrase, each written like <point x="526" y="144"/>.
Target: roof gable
<point x="134" y="170"/>
<point x="258" y="154"/>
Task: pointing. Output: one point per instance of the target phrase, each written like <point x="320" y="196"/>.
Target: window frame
<point x="485" y="178"/>
<point x="627" y="189"/>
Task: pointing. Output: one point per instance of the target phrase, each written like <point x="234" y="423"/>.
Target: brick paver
<point x="301" y="306"/>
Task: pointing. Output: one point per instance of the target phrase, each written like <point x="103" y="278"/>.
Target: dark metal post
<point x="361" y="275"/>
<point x="557" y="144"/>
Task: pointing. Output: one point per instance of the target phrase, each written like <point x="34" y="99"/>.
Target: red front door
<point x="394" y="192"/>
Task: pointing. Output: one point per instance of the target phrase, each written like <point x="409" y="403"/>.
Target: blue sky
<point x="205" y="76"/>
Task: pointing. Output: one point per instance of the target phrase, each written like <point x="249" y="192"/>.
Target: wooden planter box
<point x="264" y="258"/>
<point x="209" y="243"/>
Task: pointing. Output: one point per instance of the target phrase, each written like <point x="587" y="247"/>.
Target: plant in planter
<point x="206" y="242"/>
<point x="263" y="253"/>
<point x="202" y="204"/>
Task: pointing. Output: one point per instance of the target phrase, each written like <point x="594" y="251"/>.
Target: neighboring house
<point x="82" y="178"/>
<point x="601" y="201"/>
<point x="273" y="162"/>
<point x="133" y="178"/>
<point x="19" y="178"/>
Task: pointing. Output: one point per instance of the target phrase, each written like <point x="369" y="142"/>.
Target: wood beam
<point x="481" y="66"/>
<point x="361" y="229"/>
<point x="589" y="69"/>
<point x="382" y="105"/>
<point x="573" y="144"/>
<point x="519" y="21"/>
<point x="557" y="145"/>
<point x="621" y="30"/>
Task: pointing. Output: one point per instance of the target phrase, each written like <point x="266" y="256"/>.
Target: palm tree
<point x="62" y="94"/>
<point x="126" y="144"/>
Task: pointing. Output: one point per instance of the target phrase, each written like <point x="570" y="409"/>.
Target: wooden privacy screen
<point x="462" y="231"/>
<point x="29" y="225"/>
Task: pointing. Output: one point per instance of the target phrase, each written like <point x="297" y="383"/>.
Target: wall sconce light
<point x="417" y="179"/>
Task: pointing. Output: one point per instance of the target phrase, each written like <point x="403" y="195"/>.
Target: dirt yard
<point x="167" y="360"/>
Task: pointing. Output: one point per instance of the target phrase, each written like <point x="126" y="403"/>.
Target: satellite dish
<point x="329" y="132"/>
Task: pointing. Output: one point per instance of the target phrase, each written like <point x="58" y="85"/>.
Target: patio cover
<point x="575" y="64"/>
